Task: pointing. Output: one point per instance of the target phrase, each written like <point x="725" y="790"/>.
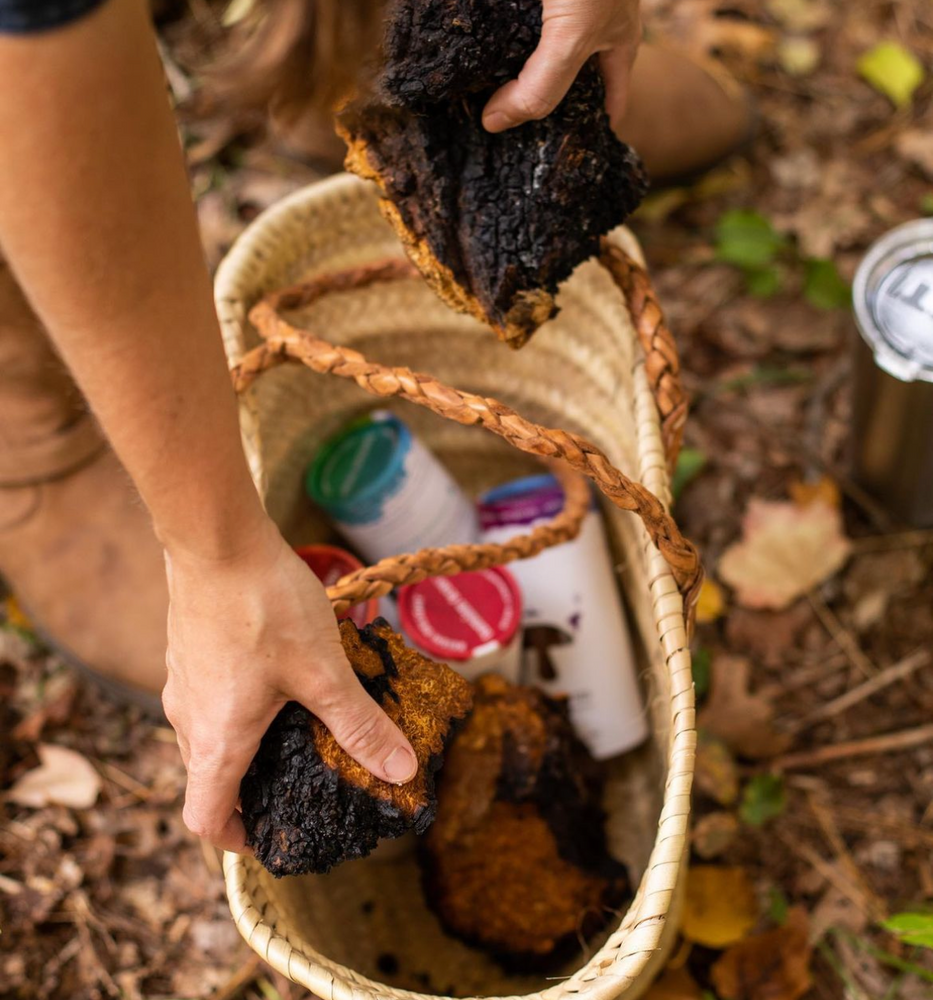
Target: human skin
<point x="97" y="223"/>
<point x="571" y="32"/>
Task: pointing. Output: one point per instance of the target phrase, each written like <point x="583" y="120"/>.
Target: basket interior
<point x="576" y="374"/>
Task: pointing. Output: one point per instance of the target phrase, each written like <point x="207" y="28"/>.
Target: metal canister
<point x="893" y="444"/>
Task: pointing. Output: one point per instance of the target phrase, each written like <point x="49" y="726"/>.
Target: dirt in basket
<point x="833" y="823"/>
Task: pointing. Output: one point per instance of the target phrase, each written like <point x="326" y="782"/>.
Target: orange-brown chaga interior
<point x="494" y="222"/>
<point x="516" y="861"/>
<point x="308" y="805"/>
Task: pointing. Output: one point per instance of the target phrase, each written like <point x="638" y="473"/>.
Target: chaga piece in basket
<point x="307" y="805"/>
<point x="494" y="222"/>
<point x="516" y="861"/>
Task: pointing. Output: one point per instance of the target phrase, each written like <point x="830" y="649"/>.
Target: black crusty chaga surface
<point x="506" y="214"/>
<point x="307" y="806"/>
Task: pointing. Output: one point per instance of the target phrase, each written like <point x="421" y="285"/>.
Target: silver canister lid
<point x="893" y="299"/>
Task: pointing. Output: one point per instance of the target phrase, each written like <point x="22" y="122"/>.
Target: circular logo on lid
<point x="904" y="309"/>
<point x="459" y="617"/>
<point x="360" y="467"/>
<point x="893" y="299"/>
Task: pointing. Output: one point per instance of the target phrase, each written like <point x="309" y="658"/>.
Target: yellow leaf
<point x="713" y="834"/>
<point x="716" y="773"/>
<point x="893" y="71"/>
<point x="711" y="604"/>
<point x="824" y="489"/>
<point x="674" y="984"/>
<point x="15" y="615"/>
<point x="799" y="56"/>
<point x="720" y="907"/>
<point x="785" y="551"/>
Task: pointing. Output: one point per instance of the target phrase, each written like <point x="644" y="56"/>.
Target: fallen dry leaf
<point x="714" y="834"/>
<point x="770" y="966"/>
<point x="716" y="773"/>
<point x="916" y="146"/>
<point x="824" y="489"/>
<point x="675" y="984"/>
<point x="800" y="15"/>
<point x="720" y="907"/>
<point x="785" y="551"/>
<point x="742" y="720"/>
<point x="63" y="778"/>
<point x="711" y="603"/>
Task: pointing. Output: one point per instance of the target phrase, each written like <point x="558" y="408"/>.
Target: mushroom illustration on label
<point x="539" y="639"/>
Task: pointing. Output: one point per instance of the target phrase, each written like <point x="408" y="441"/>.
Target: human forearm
<point x="97" y="221"/>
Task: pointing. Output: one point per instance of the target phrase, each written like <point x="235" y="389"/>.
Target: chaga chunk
<point x="516" y="861"/>
<point x="307" y="805"/>
<point x="494" y="222"/>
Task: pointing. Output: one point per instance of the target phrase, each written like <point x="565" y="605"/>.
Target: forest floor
<point x="814" y="798"/>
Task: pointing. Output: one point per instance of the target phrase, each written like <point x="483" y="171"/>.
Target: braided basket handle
<point x="285" y="343"/>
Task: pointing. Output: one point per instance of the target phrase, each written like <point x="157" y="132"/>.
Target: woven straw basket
<point x="363" y="931"/>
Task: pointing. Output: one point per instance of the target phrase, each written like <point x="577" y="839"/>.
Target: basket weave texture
<point x="585" y="372"/>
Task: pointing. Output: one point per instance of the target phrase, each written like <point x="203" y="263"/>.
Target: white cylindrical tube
<point x="576" y="640"/>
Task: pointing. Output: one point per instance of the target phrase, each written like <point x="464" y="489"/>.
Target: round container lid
<point x="893" y="297"/>
<point x="359" y="466"/>
<point x="329" y="564"/>
<point x="460" y="617"/>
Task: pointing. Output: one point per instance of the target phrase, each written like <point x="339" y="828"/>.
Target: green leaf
<point x="702" y="663"/>
<point x="893" y="71"/>
<point x="690" y="463"/>
<point x="778" y="905"/>
<point x="926" y="204"/>
<point x="766" y="375"/>
<point x="763" y="282"/>
<point x="912" y="928"/>
<point x="825" y="287"/>
<point x="763" y="799"/>
<point x="747" y="239"/>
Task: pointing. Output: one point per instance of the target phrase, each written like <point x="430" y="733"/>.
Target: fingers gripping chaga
<point x="494" y="221"/>
<point x="307" y="805"/>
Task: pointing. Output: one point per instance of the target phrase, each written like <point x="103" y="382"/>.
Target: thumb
<point x="544" y="80"/>
<point x="361" y="727"/>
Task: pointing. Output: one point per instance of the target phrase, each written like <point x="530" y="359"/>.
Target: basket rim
<point x="625" y="960"/>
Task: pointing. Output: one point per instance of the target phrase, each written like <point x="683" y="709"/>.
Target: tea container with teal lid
<point x="386" y="492"/>
<point x="893" y="403"/>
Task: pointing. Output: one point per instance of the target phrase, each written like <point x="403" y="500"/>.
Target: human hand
<point x="245" y="635"/>
<point x="572" y="30"/>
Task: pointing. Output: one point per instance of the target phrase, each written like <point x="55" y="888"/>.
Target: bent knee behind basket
<point x="364" y="929"/>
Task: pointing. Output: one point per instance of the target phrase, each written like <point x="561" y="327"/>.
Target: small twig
<point x="853" y="818"/>
<point x="826" y="820"/>
<point x="885" y="743"/>
<point x="849" y="889"/>
<point x="832" y="960"/>
<point x="10" y="886"/>
<point x="842" y="636"/>
<point x="210" y="858"/>
<point x="890" y="675"/>
<point x="125" y="781"/>
<point x="243" y="976"/>
<point x="900" y="540"/>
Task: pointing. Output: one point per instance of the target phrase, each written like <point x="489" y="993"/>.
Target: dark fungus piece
<point x="494" y="222"/>
<point x="516" y="862"/>
<point x="307" y="805"/>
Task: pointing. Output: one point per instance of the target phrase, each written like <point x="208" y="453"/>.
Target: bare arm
<point x="97" y="222"/>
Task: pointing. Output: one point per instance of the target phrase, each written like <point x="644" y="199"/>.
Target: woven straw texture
<point x="363" y="931"/>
